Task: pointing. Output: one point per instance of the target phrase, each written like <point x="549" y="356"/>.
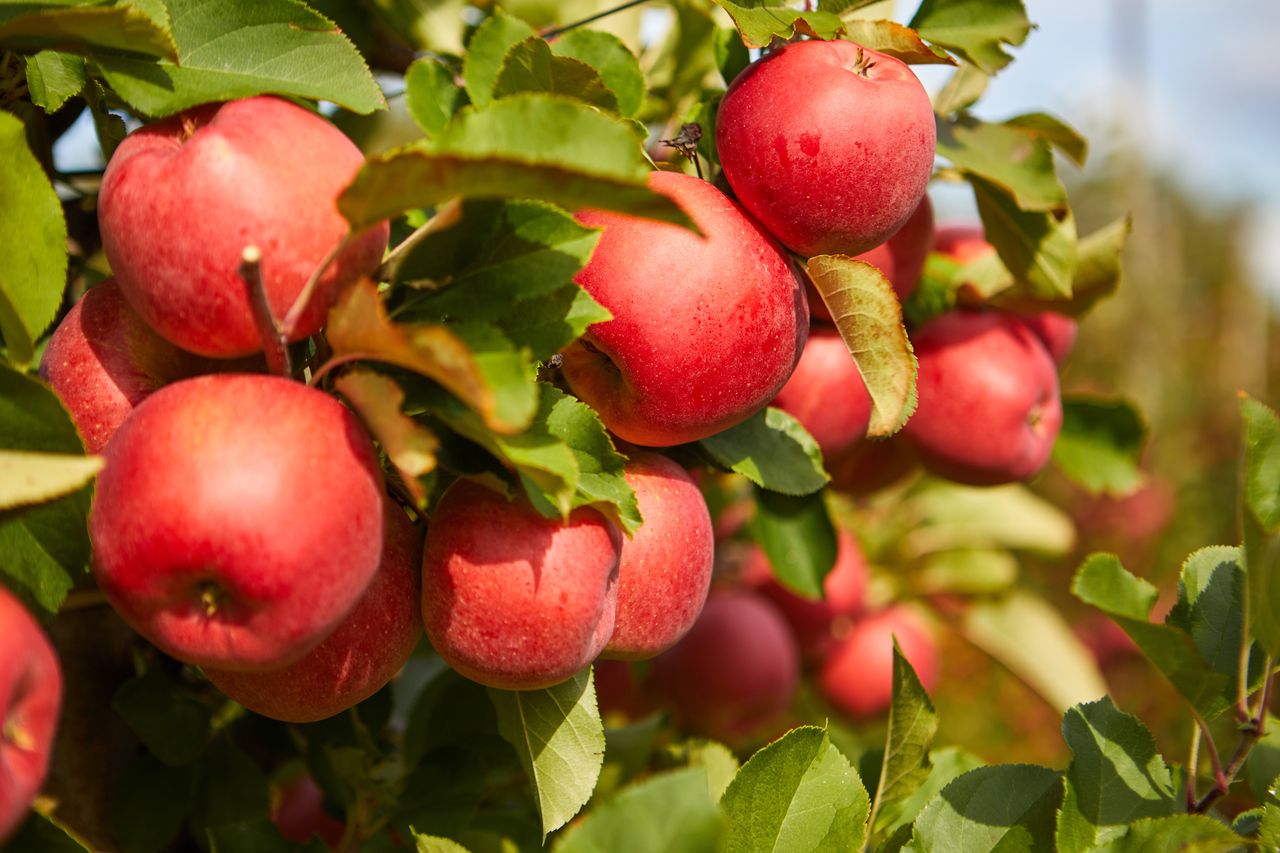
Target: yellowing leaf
<point x="31" y="478"/>
<point x="896" y="40"/>
<point x="409" y="446"/>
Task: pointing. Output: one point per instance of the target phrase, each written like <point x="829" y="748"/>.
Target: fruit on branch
<point x="857" y="675"/>
<point x="512" y="599"/>
<point x="297" y="810"/>
<point x="826" y="393"/>
<point x="664" y="571"/>
<point x="735" y="672"/>
<point x="30" y="698"/>
<point x="238" y="520"/>
<point x="363" y="653"/>
<point x="989" y="407"/>
<point x="182" y="198"/>
<point x="840" y="169"/>
<point x="705" y="329"/>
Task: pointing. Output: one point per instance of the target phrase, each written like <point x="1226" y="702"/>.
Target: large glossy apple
<point x="238" y="520"/>
<point x="826" y="393"/>
<point x="183" y="197"/>
<point x="30" y="697"/>
<point x="989" y="407"/>
<point x="857" y="676"/>
<point x="839" y="169"/>
<point x="362" y="654"/>
<point x="512" y="599"/>
<point x="664" y="572"/>
<point x="705" y="329"/>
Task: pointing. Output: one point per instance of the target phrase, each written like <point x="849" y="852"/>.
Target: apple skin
<point x="664" y="572"/>
<point x="826" y="393"/>
<point x="825" y="186"/>
<point x="990" y="408"/>
<point x="705" y="330"/>
<point x="363" y="653"/>
<point x="297" y="810"/>
<point x="735" y="672"/>
<point x="238" y="519"/>
<point x="514" y="600"/>
<point x="30" y="699"/>
<point x="183" y="197"/>
<point x="857" y="675"/>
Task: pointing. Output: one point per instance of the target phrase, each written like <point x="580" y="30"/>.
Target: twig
<point x="83" y="599"/>
<point x="1193" y="767"/>
<point x="274" y="340"/>
<point x="557" y="31"/>
<point x="336" y="362"/>
<point x="1251" y="733"/>
<point x="445" y="217"/>
<point x="290" y="323"/>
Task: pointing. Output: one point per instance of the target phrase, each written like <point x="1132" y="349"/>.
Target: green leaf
<point x="967" y="571"/>
<point x="30" y="478"/>
<point x="409" y="446"/>
<point x="1099" y="271"/>
<point x="667" y="813"/>
<point x="85" y="28"/>
<point x="149" y="803"/>
<point x="720" y="764"/>
<point x="955" y="516"/>
<point x="559" y="738"/>
<point x="530" y="66"/>
<point x="1261" y="513"/>
<point x="33" y="265"/>
<point x="431" y="95"/>
<point x="1115" y="777"/>
<point x="231" y="49"/>
<point x="549" y="323"/>
<point x="732" y="55"/>
<point x="798" y="793"/>
<point x="166" y="718"/>
<point x="1100" y="444"/>
<point x="894" y="820"/>
<point x="257" y="834"/>
<point x="1056" y="132"/>
<point x="912" y="726"/>
<point x="866" y="310"/>
<point x="1184" y="832"/>
<point x="53" y="78"/>
<point x="1008" y="808"/>
<point x="613" y="60"/>
<point x="798" y="537"/>
<point x="977" y="30"/>
<point x="41" y="833"/>
<point x="894" y="39"/>
<point x="486" y="52"/>
<point x="1009" y="157"/>
<point x="759" y="22"/>
<point x="434" y="844"/>
<point x="1039" y="249"/>
<point x="232" y="789"/>
<point x="1262" y="767"/>
<point x="772" y="450"/>
<point x="962" y="90"/>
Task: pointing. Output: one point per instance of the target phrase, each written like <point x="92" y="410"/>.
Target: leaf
<point x="434" y="844"/>
<point x="977" y="30"/>
<point x="954" y="516"/>
<point x="912" y="726"/>
<point x="1260" y="498"/>
<point x="431" y="95"/>
<point x="1056" y="132"/>
<point x="41" y="833"/>
<point x="894" y="820"/>
<point x="895" y="40"/>
<point x="1262" y="767"/>
<point x="967" y="571"/>
<point x="798" y="793"/>
<point x="232" y="789"/>
<point x="866" y="310"/>
<point x="1099" y="271"/>
<point x="257" y="834"/>
<point x="1184" y="832"/>
<point x="732" y="56"/>
<point x="171" y="723"/>
<point x="410" y="447"/>
<point x="1039" y="249"/>
<point x="798" y="537"/>
<point x="150" y="800"/>
<point x="486" y="52"/>
<point x="616" y="64"/>
<point x="53" y="78"/>
<point x="962" y="90"/>
<point x="1010" y="808"/>
<point x="559" y="738"/>
<point x="33" y="265"/>
<point x="720" y="764"/>
<point x="530" y="66"/>
<point x="759" y="22"/>
<point x="29" y="478"/>
<point x="667" y="813"/>
<point x="772" y="450"/>
<point x="231" y="49"/>
<point x="550" y="323"/>
<point x="1030" y="637"/>
<point x="1100" y="445"/>
<point x="85" y="28"/>
<point x="1013" y="159"/>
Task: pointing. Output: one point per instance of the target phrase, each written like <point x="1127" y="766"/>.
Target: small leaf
<point x="759" y="22"/>
<point x="1262" y="463"/>
<point x="798" y="793"/>
<point x="977" y="30"/>
<point x="53" y="78"/>
<point x="894" y="820"/>
<point x="435" y="844"/>
<point x="1039" y="249"/>
<point x="172" y="724"/>
<point x="912" y="726"/>
<point x="29" y="478"/>
<point x="1010" y="808"/>
<point x="1187" y="832"/>
<point x="1056" y="132"/>
<point x="559" y="738"/>
<point x="530" y="66"/>
<point x="865" y="308"/>
<point x="486" y="51"/>
<point x="550" y="323"/>
<point x="431" y="95"/>
<point x="798" y="537"/>
<point x="612" y="59"/>
<point x="1262" y="767"/>
<point x="1100" y="445"/>
<point x="962" y="90"/>
<point x="772" y="450"/>
<point x="1099" y="270"/>
<point x="150" y="801"/>
<point x="720" y="764"/>
<point x="667" y="813"/>
<point x="410" y="447"/>
<point x="894" y="39"/>
<point x="85" y="28"/>
<point x="232" y="789"/>
<point x="1009" y="157"/>
<point x="732" y="55"/>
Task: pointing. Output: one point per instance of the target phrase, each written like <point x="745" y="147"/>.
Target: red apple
<point x="183" y="197"/>
<point x="297" y="810"/>
<point x="989" y="407"/>
<point x="238" y="520"/>
<point x="962" y="243"/>
<point x="829" y="144"/>
<point x="705" y="330"/>
<point x="870" y="466"/>
<point x="619" y="689"/>
<point x="363" y="653"/>
<point x="826" y="393"/>
<point x="30" y="697"/>
<point x="664" y="571"/>
<point x="857" y="676"/>
<point x="514" y="600"/>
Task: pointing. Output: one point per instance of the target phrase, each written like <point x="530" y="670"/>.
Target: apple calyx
<point x="862" y="64"/>
<point x="18" y="735"/>
<point x="212" y="597"/>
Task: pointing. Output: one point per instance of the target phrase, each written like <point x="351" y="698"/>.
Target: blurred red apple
<point x="826" y="393"/>
<point x="297" y="810"/>
<point x="870" y="466"/>
<point x="857" y="675"/>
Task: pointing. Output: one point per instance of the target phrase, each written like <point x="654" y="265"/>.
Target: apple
<point x="826" y="393"/>
<point x="989" y="408"/>
<point x="238" y="520"/>
<point x="705" y="329"/>
<point x="857" y="675"/>
<point x="512" y="599"/>
<point x="736" y="670"/>
<point x="183" y="197"/>
<point x="828" y="143"/>
<point x="363" y="653"/>
<point x="870" y="466"/>
<point x="297" y="810"/>
<point x="664" y="571"/>
<point x="963" y="244"/>
<point x="30" y="698"/>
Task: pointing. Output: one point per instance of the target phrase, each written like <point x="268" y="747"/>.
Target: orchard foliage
<point x="487" y="126"/>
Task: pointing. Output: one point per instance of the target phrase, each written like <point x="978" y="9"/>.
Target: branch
<point x="445" y="217"/>
<point x="275" y="343"/>
<point x="558" y="31"/>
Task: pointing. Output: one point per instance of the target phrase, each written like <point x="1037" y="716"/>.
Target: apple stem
<point x="686" y="142"/>
<point x="274" y="339"/>
<point x="290" y="323"/>
<point x="446" y="216"/>
<point x="551" y="33"/>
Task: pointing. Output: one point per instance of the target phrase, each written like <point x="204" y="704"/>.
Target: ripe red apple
<point x="183" y="197"/>
<point x="30" y="697"/>
<point x="514" y="600"/>
<point x="735" y="672"/>
<point x="363" y="653"/>
<point x="857" y="676"/>
<point x="989" y="407"/>
<point x="826" y="393"/>
<point x="297" y="810"/>
<point x="962" y="243"/>
<point x="238" y="520"/>
<point x="829" y="144"/>
<point x="705" y="330"/>
<point x="664" y="571"/>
